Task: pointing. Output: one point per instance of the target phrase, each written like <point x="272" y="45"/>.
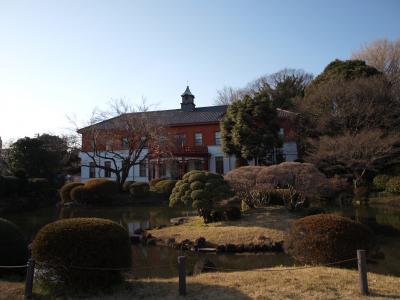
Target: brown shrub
<point x="326" y="238"/>
<point x="304" y="177"/>
<point x="95" y="191"/>
<point x="65" y="191"/>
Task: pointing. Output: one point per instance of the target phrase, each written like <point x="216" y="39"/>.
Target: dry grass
<point x="313" y="283"/>
<point x="270" y="222"/>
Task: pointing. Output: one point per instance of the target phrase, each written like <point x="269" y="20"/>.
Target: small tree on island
<point x="124" y="136"/>
<point x="202" y="191"/>
<point x="249" y="129"/>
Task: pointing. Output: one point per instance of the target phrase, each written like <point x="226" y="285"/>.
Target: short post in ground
<point x="362" y="271"/>
<point x="30" y="271"/>
<point x="182" y="275"/>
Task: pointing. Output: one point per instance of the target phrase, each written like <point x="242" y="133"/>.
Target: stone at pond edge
<point x="203" y="265"/>
<point x="200" y="242"/>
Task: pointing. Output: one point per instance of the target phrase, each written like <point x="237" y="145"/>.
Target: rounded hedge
<point x="380" y="182"/>
<point x="71" y="248"/>
<point x="95" y="191"/>
<point x="200" y="190"/>
<point x="393" y="185"/>
<point x="139" y="189"/>
<point x="13" y="246"/>
<point x="65" y="191"/>
<point x="327" y="238"/>
<point x="126" y="186"/>
<point x="165" y="186"/>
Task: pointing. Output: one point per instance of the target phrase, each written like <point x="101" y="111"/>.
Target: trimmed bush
<point x="95" y="191"/>
<point x="165" y="187"/>
<point x="68" y="244"/>
<point x="9" y="185"/>
<point x="232" y="213"/>
<point x="380" y="182"/>
<point x="393" y="185"/>
<point x="13" y="246"/>
<point x="139" y="189"/>
<point x="126" y="186"/>
<point x="200" y="190"/>
<point x="326" y="238"/>
<point x="154" y="181"/>
<point x="65" y="191"/>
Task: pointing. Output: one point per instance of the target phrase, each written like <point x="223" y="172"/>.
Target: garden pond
<point x="156" y="261"/>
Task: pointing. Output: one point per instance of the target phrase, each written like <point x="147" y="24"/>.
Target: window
<point x="180" y="139"/>
<point x="163" y="170"/>
<point x="143" y="169"/>
<point x="217" y="137"/>
<point x="107" y="169"/>
<point x="281" y="133"/>
<point x="219" y="164"/>
<point x="92" y="170"/>
<point x="198" y="139"/>
<point x="125" y="143"/>
<point x="198" y="164"/>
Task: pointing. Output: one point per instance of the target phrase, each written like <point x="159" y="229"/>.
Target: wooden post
<point x="362" y="272"/>
<point x="29" y="278"/>
<point x="182" y="275"/>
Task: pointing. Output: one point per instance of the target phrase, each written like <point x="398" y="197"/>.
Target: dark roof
<point x="187" y="92"/>
<point x="200" y="115"/>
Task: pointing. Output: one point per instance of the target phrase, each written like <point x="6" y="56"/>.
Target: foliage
<point x="369" y="151"/>
<point x="10" y="185"/>
<point x="393" y="185"/>
<point x="257" y="186"/>
<point x="380" y="182"/>
<point x="95" y="191"/>
<point x="327" y="238"/>
<point x="165" y="187"/>
<point x="13" y="246"/>
<point x="249" y="128"/>
<point x="65" y="191"/>
<point x="126" y="186"/>
<point x="338" y="70"/>
<point x="232" y="213"/>
<point x="200" y="190"/>
<point x="68" y="246"/>
<point x="42" y="156"/>
<point x="154" y="181"/>
<point x="384" y="55"/>
<point x="139" y="189"/>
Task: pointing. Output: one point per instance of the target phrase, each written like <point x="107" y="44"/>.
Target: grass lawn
<point x="313" y="283"/>
<point x="271" y="222"/>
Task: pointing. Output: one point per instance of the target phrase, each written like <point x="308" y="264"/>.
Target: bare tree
<point x="384" y="55"/>
<point x="227" y="95"/>
<point x="123" y="137"/>
<point x="360" y="153"/>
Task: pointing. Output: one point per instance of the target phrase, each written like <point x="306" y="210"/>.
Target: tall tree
<point x="124" y="136"/>
<point x="361" y="153"/>
<point x="384" y="55"/>
<point x="250" y="129"/>
<point x="42" y="156"/>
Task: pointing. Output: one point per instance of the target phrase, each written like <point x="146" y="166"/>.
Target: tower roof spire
<point x="187" y="92"/>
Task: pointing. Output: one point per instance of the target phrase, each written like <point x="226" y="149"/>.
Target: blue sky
<point x="62" y="58"/>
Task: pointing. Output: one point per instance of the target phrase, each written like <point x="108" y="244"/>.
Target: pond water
<point x="157" y="261"/>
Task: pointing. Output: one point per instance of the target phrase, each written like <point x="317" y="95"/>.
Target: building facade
<point x="197" y="143"/>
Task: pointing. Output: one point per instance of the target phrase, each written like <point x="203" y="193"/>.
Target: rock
<point x="139" y="231"/>
<point x="186" y="244"/>
<point x="277" y="246"/>
<point x="220" y="248"/>
<point x="230" y="248"/>
<point x="170" y="242"/>
<point x="262" y="238"/>
<point x="179" y="221"/>
<point x="136" y="238"/>
<point x="203" y="265"/>
<point x="161" y="226"/>
<point x="151" y="242"/>
<point x="200" y="242"/>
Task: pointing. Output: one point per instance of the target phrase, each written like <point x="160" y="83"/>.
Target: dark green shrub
<point x="139" y="189"/>
<point x="13" y="246"/>
<point x="68" y="246"/>
<point x="327" y="238"/>
<point x="10" y="185"/>
<point x="232" y="213"/>
<point x="380" y="182"/>
<point x="126" y="186"/>
<point x="200" y="190"/>
<point x="95" y="191"/>
<point x="154" y="181"/>
<point x="65" y="191"/>
<point x="165" y="187"/>
<point x="393" y="185"/>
